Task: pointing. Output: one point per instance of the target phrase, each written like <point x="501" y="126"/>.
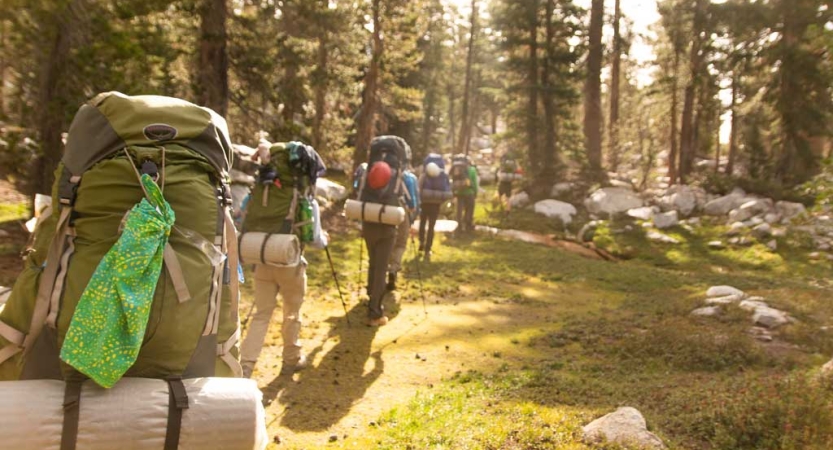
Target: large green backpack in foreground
<point x="194" y="324"/>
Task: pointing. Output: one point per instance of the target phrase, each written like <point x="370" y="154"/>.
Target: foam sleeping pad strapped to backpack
<point x="280" y="250"/>
<point x="191" y="302"/>
<point x="377" y="201"/>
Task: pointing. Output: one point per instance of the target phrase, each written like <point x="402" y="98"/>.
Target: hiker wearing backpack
<point x="434" y="189"/>
<point x="508" y="172"/>
<point x="381" y="194"/>
<point x="464" y="182"/>
<point x="403" y="231"/>
<point x="279" y="221"/>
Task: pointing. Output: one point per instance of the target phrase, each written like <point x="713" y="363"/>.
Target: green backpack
<point x="281" y="201"/>
<point x="193" y="324"/>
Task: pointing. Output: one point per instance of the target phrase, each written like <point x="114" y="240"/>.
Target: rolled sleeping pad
<point x="434" y="196"/>
<point x="502" y="176"/>
<point x="282" y="250"/>
<point x="374" y="212"/>
<point x="222" y="414"/>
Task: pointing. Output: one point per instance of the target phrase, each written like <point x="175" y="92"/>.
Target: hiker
<point x="465" y="186"/>
<point x="381" y="194"/>
<point x="507" y="173"/>
<point x="403" y="231"/>
<point x="434" y="189"/>
<point x="280" y="205"/>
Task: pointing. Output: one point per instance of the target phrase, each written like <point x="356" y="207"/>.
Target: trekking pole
<point x="359" y="281"/>
<point x="419" y="275"/>
<point x="338" y="286"/>
<point x="249" y="316"/>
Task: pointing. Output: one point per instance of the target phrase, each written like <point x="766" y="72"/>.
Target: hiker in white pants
<point x="291" y="282"/>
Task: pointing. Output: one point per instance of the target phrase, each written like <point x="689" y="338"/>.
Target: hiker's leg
<point x="423" y="215"/>
<point x="380" y="239"/>
<point x="470" y="213"/>
<point x="399" y="246"/>
<point x="266" y="291"/>
<point x="293" y="282"/>
<point x="460" y="208"/>
<point x="433" y="211"/>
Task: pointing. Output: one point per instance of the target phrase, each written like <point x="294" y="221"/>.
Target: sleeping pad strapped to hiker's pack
<point x="382" y="204"/>
<point x="282" y="211"/>
<point x="437" y="188"/>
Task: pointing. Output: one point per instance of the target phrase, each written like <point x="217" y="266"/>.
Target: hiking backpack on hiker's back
<point x="509" y="169"/>
<point x="460" y="172"/>
<point x="116" y="147"/>
<point x="381" y="203"/>
<point x="434" y="187"/>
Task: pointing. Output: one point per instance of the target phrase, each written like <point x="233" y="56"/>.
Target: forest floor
<point x="516" y="346"/>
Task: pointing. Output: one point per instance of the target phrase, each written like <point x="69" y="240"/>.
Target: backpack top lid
<point x="435" y="158"/>
<point x="433" y="170"/>
<point x="112" y="120"/>
<point x="392" y="149"/>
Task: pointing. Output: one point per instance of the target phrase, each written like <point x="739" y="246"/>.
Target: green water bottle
<point x="305" y="230"/>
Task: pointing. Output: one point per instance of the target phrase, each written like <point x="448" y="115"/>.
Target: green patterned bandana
<point x="107" y="329"/>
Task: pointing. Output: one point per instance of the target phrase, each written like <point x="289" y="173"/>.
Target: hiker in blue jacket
<point x="434" y="189"/>
<point x="412" y="205"/>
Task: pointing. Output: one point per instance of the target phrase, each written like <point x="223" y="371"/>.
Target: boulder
<point x="769" y="317"/>
<point x="771" y="218"/>
<point x="725" y="300"/>
<point x="679" y="198"/>
<point x="722" y="205"/>
<point x="625" y="426"/>
<point x="762" y="231"/>
<point x="706" y="311"/>
<point x="736" y="228"/>
<point x="556" y="209"/>
<point x="643" y="213"/>
<point x="772" y="245"/>
<point x="758" y="206"/>
<point x="722" y="291"/>
<point x="740" y="215"/>
<point x="656" y="236"/>
<point x="330" y="190"/>
<point x="752" y="304"/>
<point x="716" y="245"/>
<point x="666" y="220"/>
<point x="789" y="210"/>
<point x="519" y="200"/>
<point x="613" y="200"/>
<point x="561" y="188"/>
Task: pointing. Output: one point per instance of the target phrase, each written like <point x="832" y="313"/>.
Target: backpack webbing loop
<point x="72" y="411"/>
<point x="177" y="401"/>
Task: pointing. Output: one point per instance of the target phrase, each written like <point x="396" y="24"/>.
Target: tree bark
<point x="673" y="155"/>
<point x="365" y="128"/>
<point x="733" y="134"/>
<point x="687" y="133"/>
<point x="613" y="128"/>
<point x="213" y="69"/>
<point x="547" y="171"/>
<point x="592" y="92"/>
<point x="532" y="82"/>
<point x="465" y="127"/>
<point x="321" y="87"/>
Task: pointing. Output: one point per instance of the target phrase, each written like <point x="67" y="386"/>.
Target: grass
<point x="586" y="337"/>
<point x="13" y="211"/>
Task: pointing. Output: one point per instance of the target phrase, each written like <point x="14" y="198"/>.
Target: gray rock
<point x="716" y="245"/>
<point x="666" y="220"/>
<point x="772" y="218"/>
<point x="722" y="205"/>
<point x="706" y="311"/>
<point x="330" y="190"/>
<point x="725" y="300"/>
<point x="614" y="200"/>
<point x="555" y="209"/>
<point x="736" y="228"/>
<point x="772" y="245"/>
<point x="789" y="210"/>
<point x="827" y="369"/>
<point x="769" y="317"/>
<point x="758" y="206"/>
<point x="561" y="188"/>
<point x="722" y="291"/>
<point x="740" y="215"/>
<point x="752" y="304"/>
<point x="519" y="200"/>
<point x="679" y="198"/>
<point x="656" y="236"/>
<point x="761" y="334"/>
<point x="762" y="231"/>
<point x="625" y="426"/>
<point x="779" y="232"/>
<point x="693" y="221"/>
<point x="643" y="213"/>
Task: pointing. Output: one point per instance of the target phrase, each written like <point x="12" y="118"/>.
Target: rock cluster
<point x="764" y="317"/>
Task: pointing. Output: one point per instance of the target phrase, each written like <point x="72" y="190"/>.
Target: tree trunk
<point x="2" y="68"/>
<point x="687" y="132"/>
<point x="673" y="156"/>
<point x="532" y="82"/>
<point x="592" y="91"/>
<point x="55" y="96"/>
<point x="213" y="70"/>
<point x="733" y="134"/>
<point x="465" y="127"/>
<point x="365" y="128"/>
<point x="547" y="171"/>
<point x="321" y="86"/>
<point x="613" y="127"/>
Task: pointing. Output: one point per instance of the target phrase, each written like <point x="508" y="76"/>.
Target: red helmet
<point x="379" y="175"/>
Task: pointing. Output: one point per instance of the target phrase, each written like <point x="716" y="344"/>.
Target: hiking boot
<point x="378" y="322"/>
<point x="391" y="286"/>
<point x="288" y="369"/>
<point x="427" y="258"/>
